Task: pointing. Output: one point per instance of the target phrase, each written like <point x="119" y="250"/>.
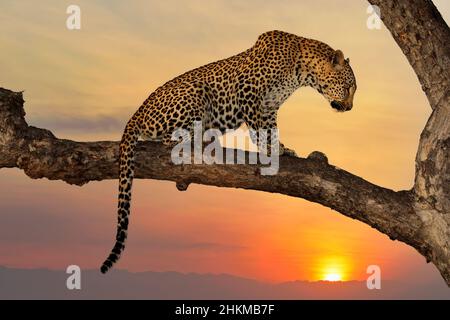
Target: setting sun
<point x="333" y="268"/>
<point x="333" y="277"/>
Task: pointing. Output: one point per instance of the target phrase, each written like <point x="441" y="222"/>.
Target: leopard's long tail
<point x="126" y="173"/>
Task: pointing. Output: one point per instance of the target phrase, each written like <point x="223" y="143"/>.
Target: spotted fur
<point x="246" y="88"/>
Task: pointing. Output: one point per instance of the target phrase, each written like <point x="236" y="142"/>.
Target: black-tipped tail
<point x="126" y="173"/>
<point x="106" y="266"/>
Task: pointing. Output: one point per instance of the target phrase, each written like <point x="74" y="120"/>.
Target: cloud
<point x="31" y="223"/>
<point x="211" y="246"/>
<point x="77" y="124"/>
<point x="180" y="244"/>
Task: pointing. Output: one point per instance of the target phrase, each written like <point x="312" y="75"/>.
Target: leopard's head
<point x="336" y="81"/>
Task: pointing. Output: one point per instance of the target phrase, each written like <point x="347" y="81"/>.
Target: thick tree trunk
<point x="424" y="37"/>
<point x="419" y="217"/>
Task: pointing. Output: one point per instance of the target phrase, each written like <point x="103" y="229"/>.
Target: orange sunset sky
<point x="85" y="84"/>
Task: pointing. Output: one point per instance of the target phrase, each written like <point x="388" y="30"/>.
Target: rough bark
<point x="419" y="217"/>
<point x="424" y="37"/>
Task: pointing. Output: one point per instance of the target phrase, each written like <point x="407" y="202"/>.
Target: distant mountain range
<point x="121" y="284"/>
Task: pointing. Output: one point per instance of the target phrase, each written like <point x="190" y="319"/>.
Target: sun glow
<point x="332" y="277"/>
<point x="333" y="269"/>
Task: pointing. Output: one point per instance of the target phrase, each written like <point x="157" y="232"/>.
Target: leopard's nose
<point x="337" y="105"/>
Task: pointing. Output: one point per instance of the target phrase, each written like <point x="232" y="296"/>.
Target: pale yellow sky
<point x="86" y="84"/>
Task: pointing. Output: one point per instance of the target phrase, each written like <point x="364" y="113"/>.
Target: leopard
<point x="245" y="89"/>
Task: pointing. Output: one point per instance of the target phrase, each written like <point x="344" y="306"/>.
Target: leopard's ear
<point x="338" y="59"/>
